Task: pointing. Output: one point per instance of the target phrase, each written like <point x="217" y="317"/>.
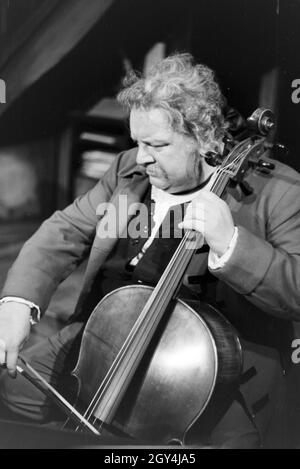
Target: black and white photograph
<point x="149" y="227"/>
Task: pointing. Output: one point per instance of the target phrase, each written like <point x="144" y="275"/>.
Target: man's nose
<point x="144" y="155"/>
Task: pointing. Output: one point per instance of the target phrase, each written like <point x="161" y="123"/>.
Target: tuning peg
<point x="246" y="188"/>
<point x="261" y="121"/>
<point x="281" y="151"/>
<point x="265" y="166"/>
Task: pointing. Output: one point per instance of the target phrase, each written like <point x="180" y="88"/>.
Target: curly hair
<point x="189" y="94"/>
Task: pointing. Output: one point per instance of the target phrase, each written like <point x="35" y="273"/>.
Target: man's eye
<point x="162" y="145"/>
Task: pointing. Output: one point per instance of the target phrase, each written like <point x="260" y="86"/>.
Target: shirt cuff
<point x="217" y="262"/>
<point x="35" y="310"/>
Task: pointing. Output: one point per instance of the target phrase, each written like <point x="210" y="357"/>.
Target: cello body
<point x="193" y="353"/>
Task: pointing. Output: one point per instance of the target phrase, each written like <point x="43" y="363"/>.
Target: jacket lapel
<point x="131" y="191"/>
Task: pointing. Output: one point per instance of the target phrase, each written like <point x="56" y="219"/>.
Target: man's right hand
<point x="14" y="332"/>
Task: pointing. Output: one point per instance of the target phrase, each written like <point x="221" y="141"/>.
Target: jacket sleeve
<point x="267" y="271"/>
<point x="59" y="245"/>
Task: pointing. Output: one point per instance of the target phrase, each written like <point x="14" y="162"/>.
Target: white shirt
<point x="163" y="202"/>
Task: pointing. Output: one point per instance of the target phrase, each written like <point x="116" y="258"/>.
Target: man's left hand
<point x="211" y="216"/>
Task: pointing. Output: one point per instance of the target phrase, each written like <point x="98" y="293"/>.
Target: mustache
<point x="150" y="168"/>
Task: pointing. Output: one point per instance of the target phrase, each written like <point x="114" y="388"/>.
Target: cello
<point x="151" y="372"/>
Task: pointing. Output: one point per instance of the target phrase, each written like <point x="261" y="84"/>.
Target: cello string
<point x="215" y="186"/>
<point x="176" y="278"/>
<point x="124" y="350"/>
<point x="107" y="381"/>
<point x="118" y="359"/>
<point x="182" y="261"/>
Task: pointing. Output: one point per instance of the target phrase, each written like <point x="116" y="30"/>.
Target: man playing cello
<point x="253" y="248"/>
